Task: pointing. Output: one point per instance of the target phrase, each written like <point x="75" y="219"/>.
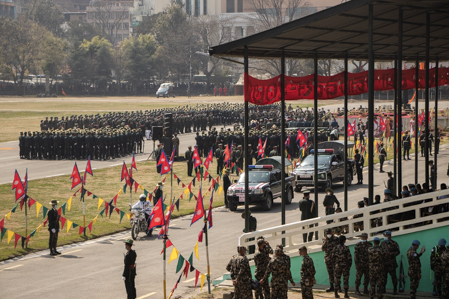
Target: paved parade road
<point x="93" y="269"/>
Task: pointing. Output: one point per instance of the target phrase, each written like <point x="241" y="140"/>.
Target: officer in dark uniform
<point x="188" y="156"/>
<point x="159" y="194"/>
<point x="406" y="144"/>
<point x="53" y="227"/>
<point x="432" y="175"/>
<point x="359" y="161"/>
<point x="158" y="154"/>
<point x="307" y="207"/>
<point x="220" y="158"/>
<point x="226" y="185"/>
<point x="129" y="272"/>
<point x="21" y="146"/>
<point x="252" y="228"/>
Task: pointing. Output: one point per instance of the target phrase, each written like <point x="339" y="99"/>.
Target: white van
<point x="165" y="90"/>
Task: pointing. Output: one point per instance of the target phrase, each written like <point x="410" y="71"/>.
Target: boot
<point x="365" y="290"/>
<point x="340" y="289"/>
<point x="336" y="293"/>
<point x="395" y="291"/>
<point x="52" y="252"/>
<point x="357" y="292"/>
<point x="346" y="293"/>
<point x="331" y="288"/>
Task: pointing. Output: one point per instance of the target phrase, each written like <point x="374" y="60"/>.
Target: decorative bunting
<point x="203" y="278"/>
<point x="106" y="207"/>
<point x="81" y="230"/>
<point x="8" y="215"/>
<point x="63" y="208"/>
<point x="17" y="237"/>
<point x="177" y="205"/>
<point x="173" y="256"/>
<point x="62" y="220"/>
<point x="69" y="204"/>
<point x="199" y="210"/>
<point x="121" y="216"/>
<point x="186" y="269"/>
<point x="200" y="236"/>
<point x="100" y="202"/>
<point x="31" y="202"/>
<point x="44" y="211"/>
<point x="10" y="235"/>
<point x="167" y="244"/>
<point x="90" y="227"/>
<point x="4" y="230"/>
<point x="180" y="263"/>
<point x="197" y="274"/>
<point x="195" y="249"/>
<point x="69" y="225"/>
<point x="75" y="177"/>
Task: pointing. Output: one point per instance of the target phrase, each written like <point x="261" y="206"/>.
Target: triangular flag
<point x="31" y="202"/>
<point x="69" y="225"/>
<point x="195" y="249"/>
<point x="133" y="164"/>
<point x="63" y="208"/>
<point x="100" y="202"/>
<point x="2" y="224"/>
<point x="173" y="255"/>
<point x="197" y="274"/>
<point x="186" y="269"/>
<point x="180" y="263"/>
<point x="163" y="161"/>
<point x="10" y="235"/>
<point x="38" y="208"/>
<point x="158" y="215"/>
<point x="17" y="237"/>
<point x="200" y="236"/>
<point x="106" y="207"/>
<point x="90" y="227"/>
<point x="122" y="214"/>
<point x="62" y="220"/>
<point x="177" y="205"/>
<point x="88" y="170"/>
<point x="199" y="210"/>
<point x="69" y="204"/>
<point x="167" y="244"/>
<point x="196" y="158"/>
<point x="76" y="178"/>
<point x="191" y="262"/>
<point x="4" y="230"/>
<point x="81" y="230"/>
<point x="8" y="215"/>
<point x="203" y="278"/>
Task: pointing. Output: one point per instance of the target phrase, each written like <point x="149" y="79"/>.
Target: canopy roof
<point x="344" y="28"/>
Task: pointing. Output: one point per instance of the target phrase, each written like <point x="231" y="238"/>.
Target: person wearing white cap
<point x="414" y="266"/>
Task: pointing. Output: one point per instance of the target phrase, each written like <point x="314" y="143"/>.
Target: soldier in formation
<point x="343" y="263"/>
<point x="279" y="268"/>
<point x="414" y="266"/>
<point x="436" y="265"/>
<point x="377" y="260"/>
<point x="329" y="245"/>
<point x="307" y="274"/>
<point x="391" y="251"/>
<point x="261" y="260"/>
<point x="361" y="260"/>
<point x="241" y="276"/>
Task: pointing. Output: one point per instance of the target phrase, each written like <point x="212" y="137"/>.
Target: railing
<point x="401" y="216"/>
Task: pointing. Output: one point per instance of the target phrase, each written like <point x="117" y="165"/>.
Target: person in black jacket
<point x="129" y="272"/>
<point x="159" y="193"/>
<point x="53" y="227"/>
<point x="226" y="184"/>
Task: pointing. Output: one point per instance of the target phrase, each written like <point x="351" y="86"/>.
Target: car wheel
<point x="289" y="196"/>
<point x="232" y="206"/>
<point x="268" y="203"/>
<point x="329" y="182"/>
<point x="298" y="188"/>
<point x="157" y="96"/>
<point x="349" y="180"/>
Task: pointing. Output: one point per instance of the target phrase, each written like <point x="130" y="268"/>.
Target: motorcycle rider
<point x="145" y="206"/>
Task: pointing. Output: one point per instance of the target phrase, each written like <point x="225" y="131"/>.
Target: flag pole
<point x="26" y="210"/>
<point x="205" y="233"/>
<point x="84" y="207"/>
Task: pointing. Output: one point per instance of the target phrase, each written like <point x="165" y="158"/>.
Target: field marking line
<point x="147" y="295"/>
<point x="11" y="267"/>
<point x="71" y="251"/>
<point x="189" y="280"/>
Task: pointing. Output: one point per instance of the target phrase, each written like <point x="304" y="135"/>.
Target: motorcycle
<point x="138" y="223"/>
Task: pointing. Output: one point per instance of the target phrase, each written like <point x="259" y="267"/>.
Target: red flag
<point x="125" y="173"/>
<point x="172" y="157"/>
<point x="90" y="227"/>
<point x="76" y="178"/>
<point x="2" y="224"/>
<point x="186" y="269"/>
<point x="106" y="208"/>
<point x="81" y="230"/>
<point x="88" y="170"/>
<point x="264" y="146"/>
<point x="133" y="164"/>
<point x="17" y="238"/>
<point x="209" y="159"/>
<point x="227" y="154"/>
<point x="259" y="148"/>
<point x="165" y="168"/>
<point x="63" y="92"/>
<point x="168" y="244"/>
<point x="196" y="158"/>
<point x="350" y="130"/>
<point x="31" y="202"/>
<point x="62" y="220"/>
<point x="197" y="274"/>
<point x="158" y="215"/>
<point x="18" y="185"/>
<point x="382" y="124"/>
<point x="200" y="236"/>
<point x="199" y="210"/>
<point x="287" y="142"/>
<point x="301" y="138"/>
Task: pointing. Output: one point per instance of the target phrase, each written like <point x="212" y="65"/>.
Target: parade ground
<point x="93" y="268"/>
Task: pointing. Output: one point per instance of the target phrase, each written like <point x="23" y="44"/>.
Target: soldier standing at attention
<point x="376" y="257"/>
<point x="437" y="266"/>
<point x="226" y="184"/>
<point x="359" y="161"/>
<point x="241" y="276"/>
<point x="306" y="206"/>
<point x="361" y="261"/>
<point x="391" y="251"/>
<point x="280" y="270"/>
<point x="330" y="242"/>
<point x="414" y="266"/>
<point x="53" y="227"/>
<point x="220" y="157"/>
<point x="445" y="266"/>
<point x="382" y="156"/>
<point x="329" y="201"/>
<point x="188" y="156"/>
<point x="129" y="272"/>
<point x="343" y="262"/>
<point x="175" y="142"/>
<point x="406" y="144"/>
<point x="261" y="260"/>
<point x="307" y="274"/>
<point x="252" y="228"/>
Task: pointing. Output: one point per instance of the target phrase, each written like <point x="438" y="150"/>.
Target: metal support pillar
<point x="416" y="120"/>
<point x="436" y="127"/>
<point x="426" y="110"/>
<point x="399" y="102"/>
<point x="246" y="117"/>
<point x="346" y="133"/>
<point x="315" y="129"/>
<point x="371" y="104"/>
<point x="395" y="129"/>
<point x="283" y="194"/>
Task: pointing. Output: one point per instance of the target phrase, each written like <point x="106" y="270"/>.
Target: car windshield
<point x="256" y="177"/>
<point x="322" y="160"/>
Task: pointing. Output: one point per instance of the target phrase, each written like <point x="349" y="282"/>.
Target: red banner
<point x="264" y="92"/>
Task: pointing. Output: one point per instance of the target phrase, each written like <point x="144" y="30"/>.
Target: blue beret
<point x="387" y="232"/>
<point x="376" y="239"/>
<point x="413" y="189"/>
<point x="442" y="242"/>
<point x="416" y="242"/>
<point x="387" y="191"/>
<point x="405" y="192"/>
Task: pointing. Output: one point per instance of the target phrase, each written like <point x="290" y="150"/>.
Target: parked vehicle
<point x="165" y="90"/>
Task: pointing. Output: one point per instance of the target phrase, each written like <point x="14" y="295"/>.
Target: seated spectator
<point x="344" y="229"/>
<point x="419" y="189"/>
<point x="413" y="191"/>
<point x="358" y="226"/>
<point x="405" y="193"/>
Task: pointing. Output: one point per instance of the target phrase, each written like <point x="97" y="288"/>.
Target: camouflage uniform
<point x="436" y="265"/>
<point x="445" y="266"/>
<point x="343" y="263"/>
<point x="376" y="256"/>
<point x="391" y="249"/>
<point x="261" y="259"/>
<point x="361" y="263"/>
<point x="329" y="259"/>
<point x="240" y="272"/>
<point x="307" y="276"/>
<point x="281" y="274"/>
<point x="414" y="270"/>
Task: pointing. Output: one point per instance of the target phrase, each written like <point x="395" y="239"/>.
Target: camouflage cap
<point x="302" y="248"/>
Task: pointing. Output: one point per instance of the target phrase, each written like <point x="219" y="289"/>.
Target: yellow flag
<point x="10" y="235"/>
<point x="8" y="215"/>
<point x="38" y="229"/>
<point x="100" y="202"/>
<point x="95" y="219"/>
<point x="141" y="187"/>
<point x="186" y="191"/>
<point x="196" y="251"/>
<point x="120" y="191"/>
<point x="69" y="225"/>
<point x="220" y="189"/>
<point x="38" y="208"/>
<point x="203" y="278"/>
<point x="69" y="204"/>
<point x="173" y="255"/>
<point x="128" y="215"/>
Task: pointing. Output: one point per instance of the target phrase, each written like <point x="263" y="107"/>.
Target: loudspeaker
<point x="157" y="132"/>
<point x="168" y="125"/>
<point x="168" y="146"/>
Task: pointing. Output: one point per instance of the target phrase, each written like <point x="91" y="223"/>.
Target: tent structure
<point x="382" y="30"/>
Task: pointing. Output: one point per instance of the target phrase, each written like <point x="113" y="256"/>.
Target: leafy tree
<point x="79" y="31"/>
<point x="139" y="56"/>
<point x="47" y="14"/>
<point x="52" y="58"/>
<point x="147" y="25"/>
